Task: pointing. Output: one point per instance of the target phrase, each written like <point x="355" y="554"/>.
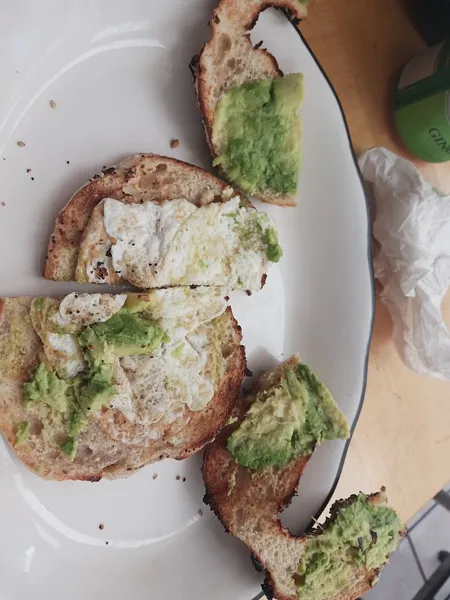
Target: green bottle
<point x="422" y="104"/>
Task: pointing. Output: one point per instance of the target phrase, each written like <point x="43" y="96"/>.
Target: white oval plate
<point x="118" y="73"/>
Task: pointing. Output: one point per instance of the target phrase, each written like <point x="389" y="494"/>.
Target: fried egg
<point x="175" y="243"/>
<point x="86" y="309"/>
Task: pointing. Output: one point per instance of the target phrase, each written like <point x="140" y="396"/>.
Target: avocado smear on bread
<point x="257" y="126"/>
<point x="22" y="433"/>
<point x="363" y="533"/>
<point x="47" y="387"/>
<point x="125" y="333"/>
<point x="287" y="420"/>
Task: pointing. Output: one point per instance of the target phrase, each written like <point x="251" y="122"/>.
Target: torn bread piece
<point x="249" y="110"/>
<point x="252" y="471"/>
<point x="96" y="385"/>
<point x="156" y="222"/>
<point x="257" y="460"/>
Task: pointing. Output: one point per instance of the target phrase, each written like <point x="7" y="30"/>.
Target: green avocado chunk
<point x="77" y="421"/>
<point x="98" y="388"/>
<point x="286" y="421"/>
<point x="70" y="448"/>
<point x="47" y="387"/>
<point x="123" y="334"/>
<point x="258" y="128"/>
<point x="273" y="248"/>
<point x="362" y="533"/>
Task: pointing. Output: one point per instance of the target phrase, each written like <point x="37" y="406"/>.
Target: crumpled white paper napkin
<point x="412" y="226"/>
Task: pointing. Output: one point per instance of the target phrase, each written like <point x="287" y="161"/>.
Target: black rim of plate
<point x="295" y="23"/>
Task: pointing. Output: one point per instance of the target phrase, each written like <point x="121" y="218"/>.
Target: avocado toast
<point x="249" y="110"/>
<point x="156" y="222"/>
<point x="96" y="385"/>
<point x="252" y="471"/>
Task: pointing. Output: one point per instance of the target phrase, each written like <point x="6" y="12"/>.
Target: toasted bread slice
<point x="141" y="177"/>
<point x="101" y="452"/>
<point x="279" y="553"/>
<point x="229" y="59"/>
<point x="248" y="503"/>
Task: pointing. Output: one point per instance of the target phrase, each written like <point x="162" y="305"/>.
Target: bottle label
<point x="422" y="104"/>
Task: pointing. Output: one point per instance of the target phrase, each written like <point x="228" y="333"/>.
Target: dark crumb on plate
<point x="32" y="179"/>
<point x="184" y="479"/>
<point x="68" y="162"/>
<point x="28" y="170"/>
<point x="178" y="478"/>
<point x="3" y="203"/>
<point x="248" y="292"/>
<point x="106" y="543"/>
<point x="21" y="144"/>
<point x="101" y="527"/>
<point x="248" y="373"/>
<point x="52" y="104"/>
<point x="200" y="512"/>
<point x="174" y="143"/>
<point x="4" y="158"/>
<point x="155" y="475"/>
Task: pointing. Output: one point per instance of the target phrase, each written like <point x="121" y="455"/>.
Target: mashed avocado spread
<point x="362" y="533"/>
<point x="48" y="388"/>
<point x="126" y="332"/>
<point x="287" y="420"/>
<point x="258" y="129"/>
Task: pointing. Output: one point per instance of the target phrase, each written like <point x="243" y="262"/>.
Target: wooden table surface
<point x="402" y="439"/>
